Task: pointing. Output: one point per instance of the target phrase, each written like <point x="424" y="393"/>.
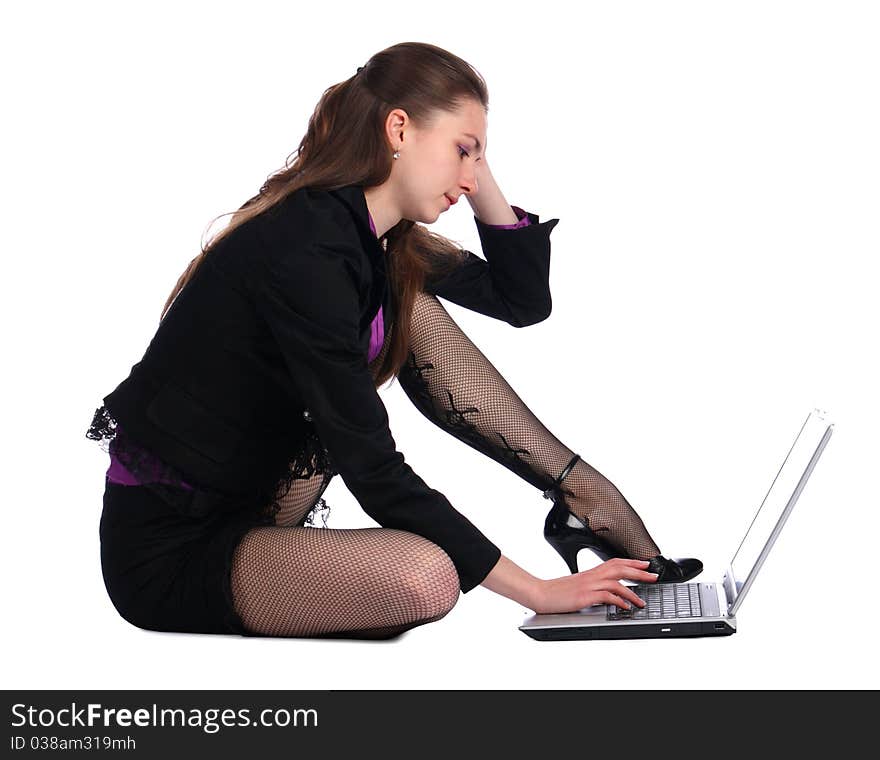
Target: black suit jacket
<point x="271" y="335"/>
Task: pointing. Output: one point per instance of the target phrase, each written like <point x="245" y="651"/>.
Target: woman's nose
<point x="469" y="184"/>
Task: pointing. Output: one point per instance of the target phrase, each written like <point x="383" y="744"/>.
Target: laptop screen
<point x="778" y="503"/>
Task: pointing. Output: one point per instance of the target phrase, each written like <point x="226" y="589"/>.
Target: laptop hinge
<point x="729" y="588"/>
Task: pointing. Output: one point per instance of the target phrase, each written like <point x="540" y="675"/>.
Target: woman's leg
<point x="350" y="583"/>
<point x="370" y="583"/>
<point x="456" y="387"/>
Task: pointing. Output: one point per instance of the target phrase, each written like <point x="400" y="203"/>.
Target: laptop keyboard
<point x="667" y="600"/>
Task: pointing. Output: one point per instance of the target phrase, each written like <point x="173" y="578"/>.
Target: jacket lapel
<point x="352" y="197"/>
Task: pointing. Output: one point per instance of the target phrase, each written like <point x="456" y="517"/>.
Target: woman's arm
<point x="488" y="203"/>
<point x="512" y="282"/>
<point x="510" y="580"/>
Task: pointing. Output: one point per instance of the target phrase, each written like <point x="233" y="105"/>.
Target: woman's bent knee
<point x="432" y="582"/>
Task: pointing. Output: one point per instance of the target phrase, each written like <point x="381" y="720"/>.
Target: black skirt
<point x="166" y="571"/>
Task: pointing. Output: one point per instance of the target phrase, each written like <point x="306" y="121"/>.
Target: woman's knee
<point x="431" y="581"/>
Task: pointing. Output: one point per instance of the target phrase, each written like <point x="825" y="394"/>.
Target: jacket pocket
<point x="183" y="416"/>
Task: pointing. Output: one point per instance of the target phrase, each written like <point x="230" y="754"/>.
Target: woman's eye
<point x="462" y="151"/>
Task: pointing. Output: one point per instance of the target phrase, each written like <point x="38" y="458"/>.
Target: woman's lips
<point x="452" y="201"/>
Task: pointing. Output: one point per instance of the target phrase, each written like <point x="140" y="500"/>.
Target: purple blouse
<point x="117" y="473"/>
<point x="377" y="329"/>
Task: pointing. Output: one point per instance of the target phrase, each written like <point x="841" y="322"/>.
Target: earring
<point x="397" y="154"/>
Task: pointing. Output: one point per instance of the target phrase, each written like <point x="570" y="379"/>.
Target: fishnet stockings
<point x="351" y="582"/>
<point x="456" y="387"/>
<point x="375" y="583"/>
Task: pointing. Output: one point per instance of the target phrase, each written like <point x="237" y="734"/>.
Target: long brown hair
<point x="345" y="144"/>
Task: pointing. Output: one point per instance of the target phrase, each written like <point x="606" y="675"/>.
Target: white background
<point x="714" y="275"/>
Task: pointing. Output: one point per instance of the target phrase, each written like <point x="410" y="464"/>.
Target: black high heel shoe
<point x="568" y="534"/>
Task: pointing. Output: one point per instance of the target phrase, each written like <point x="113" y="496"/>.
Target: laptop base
<point x="723" y="627"/>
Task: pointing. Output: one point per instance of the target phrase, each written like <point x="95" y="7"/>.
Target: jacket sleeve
<point x="310" y="300"/>
<point x="513" y="282"/>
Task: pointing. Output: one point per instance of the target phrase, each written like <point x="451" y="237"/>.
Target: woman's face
<point x="436" y="162"/>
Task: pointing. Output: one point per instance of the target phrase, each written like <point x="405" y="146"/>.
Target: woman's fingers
<point x="610" y="598"/>
<point x="628" y="593"/>
<point x="625" y="592"/>
<point x="615" y="593"/>
<point x="641" y="575"/>
<point x="631" y="569"/>
<point x="630" y="562"/>
<point x="604" y="581"/>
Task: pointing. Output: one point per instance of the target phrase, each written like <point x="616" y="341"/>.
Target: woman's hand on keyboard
<point x="600" y="585"/>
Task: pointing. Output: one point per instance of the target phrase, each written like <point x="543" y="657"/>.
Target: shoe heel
<point x="568" y="534"/>
<point x="567" y="551"/>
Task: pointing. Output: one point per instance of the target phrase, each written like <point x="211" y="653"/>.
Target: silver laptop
<point x="700" y="609"/>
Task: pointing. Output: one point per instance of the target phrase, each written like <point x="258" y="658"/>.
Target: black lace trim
<point x="174" y="486"/>
<point x="312" y="459"/>
<point x="145" y="466"/>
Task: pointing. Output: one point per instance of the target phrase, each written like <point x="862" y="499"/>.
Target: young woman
<point x="260" y="385"/>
